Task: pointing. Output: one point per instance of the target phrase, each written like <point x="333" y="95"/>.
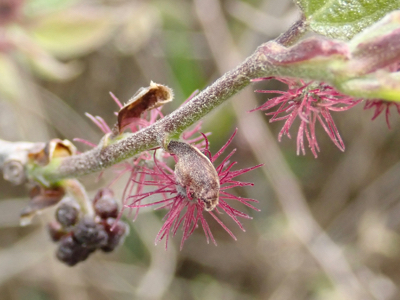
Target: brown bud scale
<point x="145" y="99"/>
<point x="196" y="174"/>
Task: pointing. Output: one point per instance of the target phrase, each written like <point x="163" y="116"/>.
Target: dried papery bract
<point x="145" y="99"/>
<point x="55" y="148"/>
<point x="41" y="198"/>
<point x="44" y="195"/>
<point x="196" y="174"/>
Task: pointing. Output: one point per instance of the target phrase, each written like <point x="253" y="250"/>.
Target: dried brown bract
<point x="55" y="148"/>
<point x="146" y="98"/>
<point x="41" y="198"/>
<point x="195" y="174"/>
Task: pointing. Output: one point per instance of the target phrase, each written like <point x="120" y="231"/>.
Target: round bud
<point x="70" y="252"/>
<point x="67" y="214"/>
<point x="90" y="234"/>
<point x="105" y="205"/>
<point x="117" y="231"/>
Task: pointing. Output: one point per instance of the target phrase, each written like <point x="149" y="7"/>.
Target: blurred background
<point x="329" y="228"/>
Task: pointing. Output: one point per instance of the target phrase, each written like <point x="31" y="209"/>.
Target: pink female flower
<point x="380" y="106"/>
<point x="144" y="160"/>
<point x="309" y="102"/>
<point x="186" y="211"/>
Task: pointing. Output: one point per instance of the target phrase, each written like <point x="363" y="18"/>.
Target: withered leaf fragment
<point x="196" y="174"/>
<point x="41" y="198"/>
<point x="146" y="98"/>
<point x="45" y="152"/>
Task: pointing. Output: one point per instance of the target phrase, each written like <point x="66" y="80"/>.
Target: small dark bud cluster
<point x="78" y="235"/>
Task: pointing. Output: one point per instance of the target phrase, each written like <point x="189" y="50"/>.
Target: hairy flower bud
<point x="67" y="215"/>
<point x="71" y="252"/>
<point x="195" y="174"/>
<point x="117" y="231"/>
<point x="90" y="234"/>
<point x="104" y="204"/>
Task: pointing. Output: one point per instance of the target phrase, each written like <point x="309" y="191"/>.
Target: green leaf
<point x="74" y="32"/>
<point x="343" y="19"/>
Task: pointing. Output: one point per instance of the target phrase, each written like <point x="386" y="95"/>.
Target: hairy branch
<point x="316" y="58"/>
<point x="153" y="136"/>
